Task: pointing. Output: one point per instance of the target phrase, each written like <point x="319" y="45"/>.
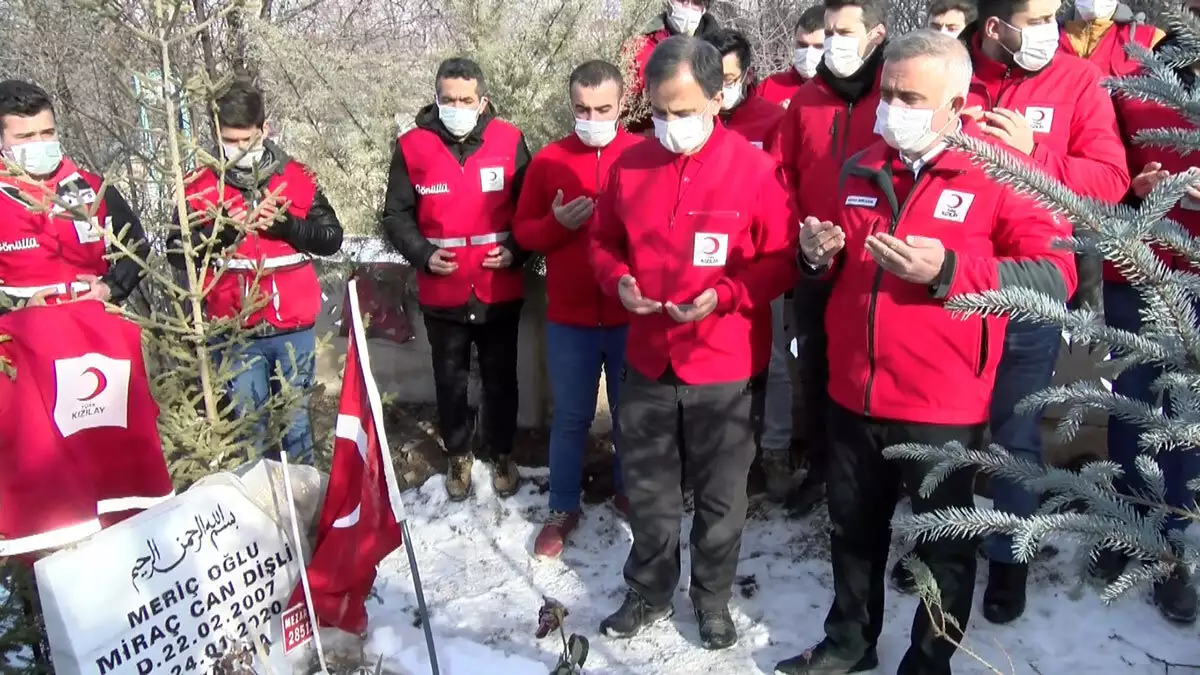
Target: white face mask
<point x="841" y="55"/>
<point x="596" y="133"/>
<point x="245" y="160"/>
<point x="458" y="121"/>
<point x="684" y="20"/>
<point x="806" y="61"/>
<point x="37" y="158"/>
<point x="684" y="134"/>
<point x="1038" y="45"/>
<point x="1090" y="10"/>
<point x="733" y="95"/>
<point x="909" y="130"/>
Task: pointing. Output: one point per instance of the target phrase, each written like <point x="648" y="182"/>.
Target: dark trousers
<point x="496" y="344"/>
<point x="713" y="426"/>
<point x="812" y="381"/>
<point x="862" y="489"/>
<point x="1123" y="308"/>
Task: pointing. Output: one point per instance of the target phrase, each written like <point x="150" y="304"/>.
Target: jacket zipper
<point x="599" y="294"/>
<point x="895" y="223"/>
<point x="845" y="136"/>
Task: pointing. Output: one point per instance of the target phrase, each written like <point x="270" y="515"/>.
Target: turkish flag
<point x="360" y="519"/>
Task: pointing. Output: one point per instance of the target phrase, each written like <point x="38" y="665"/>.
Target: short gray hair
<point x="928" y="42"/>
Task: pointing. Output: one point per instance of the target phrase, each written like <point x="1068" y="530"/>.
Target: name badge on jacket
<point x="88" y="231"/>
<point x="491" y="178"/>
<point x="710" y="249"/>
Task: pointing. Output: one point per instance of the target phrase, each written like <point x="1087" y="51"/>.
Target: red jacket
<point x="1076" y="139"/>
<point x="1109" y="54"/>
<point x="756" y="120"/>
<point x="575" y="299"/>
<point x="263" y="266"/>
<point x="680" y="225"/>
<point x="781" y="87"/>
<point x="894" y="350"/>
<point x="40" y="248"/>
<point x="465" y="208"/>
<point x="1139" y="116"/>
<point x="818" y="134"/>
<point x="78" y="426"/>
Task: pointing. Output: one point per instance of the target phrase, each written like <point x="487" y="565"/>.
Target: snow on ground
<point x="484" y="588"/>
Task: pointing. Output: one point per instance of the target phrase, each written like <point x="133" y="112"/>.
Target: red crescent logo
<point x="1038" y="115"/>
<point x="101" y="383"/>
<point x="714" y="245"/>
<point x="958" y="201"/>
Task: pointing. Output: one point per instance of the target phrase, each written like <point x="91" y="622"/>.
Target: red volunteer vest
<point x="466" y="209"/>
<point x="78" y="427"/>
<point x="287" y="278"/>
<point x="40" y="245"/>
<point x="1110" y="55"/>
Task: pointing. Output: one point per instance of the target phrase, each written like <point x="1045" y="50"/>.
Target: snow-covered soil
<point x="484" y="589"/>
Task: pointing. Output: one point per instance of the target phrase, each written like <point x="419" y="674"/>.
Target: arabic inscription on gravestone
<point x="169" y="590"/>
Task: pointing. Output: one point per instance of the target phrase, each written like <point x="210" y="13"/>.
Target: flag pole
<point x="422" y="610"/>
<point x="308" y="601"/>
<point x="359" y="335"/>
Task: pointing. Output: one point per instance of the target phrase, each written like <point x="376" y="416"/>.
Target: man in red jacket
<point x="830" y="119"/>
<point x="265" y="278"/>
<point x="695" y="236"/>
<point x="452" y="191"/>
<point x="746" y="113"/>
<point x="46" y="253"/>
<point x="810" y="47"/>
<point x="919" y="223"/>
<point x="1049" y="107"/>
<point x="679" y="17"/>
<point x="1100" y="33"/>
<point x="1124" y="306"/>
<point x="585" y="327"/>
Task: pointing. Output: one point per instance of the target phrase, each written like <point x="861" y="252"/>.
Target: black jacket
<point x="319" y="233"/>
<point x="400" y="210"/>
<point x="125" y="272"/>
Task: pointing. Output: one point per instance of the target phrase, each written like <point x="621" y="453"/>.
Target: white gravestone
<point x="168" y="590"/>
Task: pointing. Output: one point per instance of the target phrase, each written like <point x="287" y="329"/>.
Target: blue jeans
<point x="1026" y="367"/>
<point x="574" y="357"/>
<point x="261" y="362"/>
<point x="1122" y="307"/>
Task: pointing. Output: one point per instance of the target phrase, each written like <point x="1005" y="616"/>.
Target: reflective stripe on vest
<point x="459" y="242"/>
<point x="72" y="533"/>
<point x="265" y="263"/>
<point x="30" y="291"/>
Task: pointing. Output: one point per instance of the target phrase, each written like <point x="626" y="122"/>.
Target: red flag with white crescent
<point x="360" y="519"/>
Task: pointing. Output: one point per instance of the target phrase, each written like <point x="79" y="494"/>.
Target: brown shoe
<point x="505" y="479"/>
<point x="553" y="537"/>
<point x="458" y="478"/>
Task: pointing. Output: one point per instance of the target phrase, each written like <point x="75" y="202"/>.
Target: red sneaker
<point x="621" y="504"/>
<point x="552" y="538"/>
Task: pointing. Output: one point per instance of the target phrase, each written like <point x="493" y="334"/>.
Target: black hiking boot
<point x="821" y="660"/>
<point x="1004" y="597"/>
<point x="634" y="615"/>
<point x="903" y="580"/>
<point x="1109" y="566"/>
<point x="716" y="628"/>
<point x="1175" y="597"/>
